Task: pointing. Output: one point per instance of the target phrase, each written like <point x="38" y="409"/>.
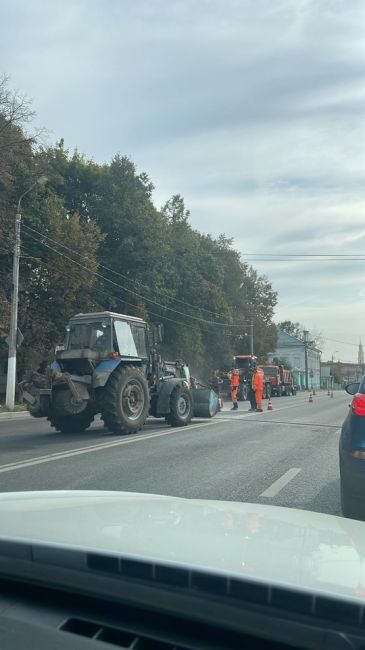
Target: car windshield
<point x="182" y="264"/>
<point x="242" y="363"/>
<point x="271" y="372"/>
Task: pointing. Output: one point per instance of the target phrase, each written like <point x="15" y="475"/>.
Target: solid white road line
<point x="99" y="447"/>
<point x="278" y="485"/>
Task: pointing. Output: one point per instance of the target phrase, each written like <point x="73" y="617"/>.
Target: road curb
<point x="14" y="415"/>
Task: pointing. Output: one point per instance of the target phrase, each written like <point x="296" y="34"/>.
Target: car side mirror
<point x="352" y="389"/>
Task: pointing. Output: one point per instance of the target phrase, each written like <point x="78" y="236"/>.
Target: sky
<point x="252" y="110"/>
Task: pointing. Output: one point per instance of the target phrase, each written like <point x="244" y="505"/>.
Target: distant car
<point x="352" y="454"/>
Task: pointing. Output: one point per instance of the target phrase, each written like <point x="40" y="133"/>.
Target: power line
<point x="135" y="293"/>
<point x="334" y="255"/>
<point x="105" y="292"/>
<point x="183" y="302"/>
<point x="122" y="300"/>
<point x="355" y="345"/>
<point x="313" y="260"/>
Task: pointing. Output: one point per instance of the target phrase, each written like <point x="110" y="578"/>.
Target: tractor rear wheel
<point x="181" y="407"/>
<point x="72" y="423"/>
<point x="40" y="408"/>
<point x="125" y="403"/>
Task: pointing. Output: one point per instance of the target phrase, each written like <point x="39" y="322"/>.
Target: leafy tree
<point x="318" y="339"/>
<point x="15" y="113"/>
<point x="175" y="212"/>
<point x="93" y="239"/>
<point x="292" y="328"/>
<point x="296" y="329"/>
<point x="53" y="287"/>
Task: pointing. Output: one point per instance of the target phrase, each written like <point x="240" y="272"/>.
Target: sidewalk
<point x="14" y="415"/>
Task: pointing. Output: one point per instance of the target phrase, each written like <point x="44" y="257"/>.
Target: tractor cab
<point x="105" y="335"/>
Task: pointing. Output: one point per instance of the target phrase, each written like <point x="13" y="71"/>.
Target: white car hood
<point x="294" y="548"/>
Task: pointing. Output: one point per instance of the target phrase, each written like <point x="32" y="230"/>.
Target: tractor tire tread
<point x="71" y="423"/>
<point x="173" y="418"/>
<point x="109" y="412"/>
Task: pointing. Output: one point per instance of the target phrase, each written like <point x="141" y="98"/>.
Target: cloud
<point x="253" y="111"/>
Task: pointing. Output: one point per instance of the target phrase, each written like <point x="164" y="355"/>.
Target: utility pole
<point x="251" y="336"/>
<point x="305" y="334"/>
<point x="12" y="340"/>
<point x="11" y="376"/>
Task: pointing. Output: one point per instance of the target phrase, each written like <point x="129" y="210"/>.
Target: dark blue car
<point x="352" y="454"/>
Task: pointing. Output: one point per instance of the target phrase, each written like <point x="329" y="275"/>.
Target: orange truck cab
<point x="281" y="380"/>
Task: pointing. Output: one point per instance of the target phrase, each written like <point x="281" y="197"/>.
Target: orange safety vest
<point x="258" y="380"/>
<point x="235" y="381"/>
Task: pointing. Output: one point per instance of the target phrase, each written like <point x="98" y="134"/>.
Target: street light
<point x="12" y="340"/>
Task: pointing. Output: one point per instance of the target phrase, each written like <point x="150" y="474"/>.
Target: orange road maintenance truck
<point x="281" y="380"/>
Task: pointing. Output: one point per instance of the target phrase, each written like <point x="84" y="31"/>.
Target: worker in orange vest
<point x="258" y="387"/>
<point x="234" y="383"/>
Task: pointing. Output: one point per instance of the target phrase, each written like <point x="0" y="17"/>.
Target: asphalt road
<point x="286" y="457"/>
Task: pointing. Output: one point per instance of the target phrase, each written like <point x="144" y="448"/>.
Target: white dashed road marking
<point x="278" y="485"/>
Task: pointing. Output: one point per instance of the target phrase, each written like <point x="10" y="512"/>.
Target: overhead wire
<point x="107" y="293"/>
<point x="117" y="273"/>
<point x="306" y="254"/>
<point x="305" y="257"/>
<point x="135" y="293"/>
<point x="280" y="259"/>
<point x="355" y="345"/>
<point x="122" y="300"/>
<point x="104" y="292"/>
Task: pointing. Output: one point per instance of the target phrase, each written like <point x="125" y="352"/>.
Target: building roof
<point x="286" y="340"/>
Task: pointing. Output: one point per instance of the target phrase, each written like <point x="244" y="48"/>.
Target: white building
<point x="293" y="350"/>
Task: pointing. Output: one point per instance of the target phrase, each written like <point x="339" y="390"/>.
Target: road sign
<point x="19" y="338"/>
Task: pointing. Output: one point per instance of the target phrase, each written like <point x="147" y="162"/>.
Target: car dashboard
<point x="60" y="597"/>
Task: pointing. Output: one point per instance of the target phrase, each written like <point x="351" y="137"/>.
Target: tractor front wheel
<point x="181" y="407"/>
<point x="125" y="402"/>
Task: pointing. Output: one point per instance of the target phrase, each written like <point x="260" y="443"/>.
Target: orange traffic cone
<point x="269" y="405"/>
<point x="331" y="393"/>
<point x="311" y="398"/>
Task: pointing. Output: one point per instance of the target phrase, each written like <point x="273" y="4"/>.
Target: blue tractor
<point x="107" y="367"/>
